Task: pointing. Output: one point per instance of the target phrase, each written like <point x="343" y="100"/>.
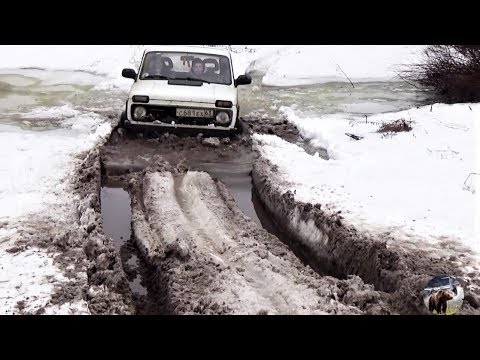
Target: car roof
<point x="190" y="49"/>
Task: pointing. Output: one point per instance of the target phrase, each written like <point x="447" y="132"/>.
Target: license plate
<point x="195" y="113"/>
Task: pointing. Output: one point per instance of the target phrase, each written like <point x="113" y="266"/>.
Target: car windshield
<point x="207" y="68"/>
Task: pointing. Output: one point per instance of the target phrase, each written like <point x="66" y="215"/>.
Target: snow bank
<point x="302" y="65"/>
<point x="34" y="180"/>
<point x="34" y="169"/>
<point x="412" y="182"/>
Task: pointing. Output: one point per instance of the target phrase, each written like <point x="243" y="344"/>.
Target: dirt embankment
<point x="401" y="269"/>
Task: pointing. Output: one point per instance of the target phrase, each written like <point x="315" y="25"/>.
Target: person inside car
<point x="154" y="68"/>
<point x="198" y="67"/>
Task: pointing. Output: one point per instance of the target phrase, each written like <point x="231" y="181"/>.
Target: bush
<point x="447" y="73"/>
<point x="395" y="126"/>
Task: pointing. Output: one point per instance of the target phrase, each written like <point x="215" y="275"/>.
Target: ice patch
<point x="57" y="112"/>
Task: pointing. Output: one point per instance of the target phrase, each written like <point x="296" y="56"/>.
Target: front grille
<point x="167" y="114"/>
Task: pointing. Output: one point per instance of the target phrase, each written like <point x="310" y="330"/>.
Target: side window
<point x="225" y="70"/>
<point x="150" y="65"/>
<point x="211" y="66"/>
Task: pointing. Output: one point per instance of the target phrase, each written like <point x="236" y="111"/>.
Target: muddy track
<point x="108" y="290"/>
<point x="400" y="269"/>
<point x="204" y="254"/>
<point x="218" y="261"/>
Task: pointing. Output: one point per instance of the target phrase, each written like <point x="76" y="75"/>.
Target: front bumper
<point x="181" y="128"/>
<point x="164" y="112"/>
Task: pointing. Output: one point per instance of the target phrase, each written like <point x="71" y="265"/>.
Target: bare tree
<point x="448" y="73"/>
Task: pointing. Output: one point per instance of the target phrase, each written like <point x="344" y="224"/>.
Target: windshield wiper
<point x="157" y="77"/>
<point x="193" y="79"/>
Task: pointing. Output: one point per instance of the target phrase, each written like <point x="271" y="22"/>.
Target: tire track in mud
<point x="219" y="261"/>
<point x="108" y="291"/>
<point x="187" y="275"/>
<point x="397" y="267"/>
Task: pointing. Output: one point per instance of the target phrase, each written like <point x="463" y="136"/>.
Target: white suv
<point x="184" y="87"/>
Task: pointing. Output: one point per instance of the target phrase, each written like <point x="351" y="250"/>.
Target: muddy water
<point x="116" y="214"/>
<point x="235" y="174"/>
<point x="116" y="218"/>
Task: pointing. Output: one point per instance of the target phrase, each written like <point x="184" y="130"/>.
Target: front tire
<point x="123" y="117"/>
<point x="239" y="126"/>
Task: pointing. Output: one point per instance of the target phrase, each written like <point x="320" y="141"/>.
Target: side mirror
<point x="129" y="74"/>
<point x="243" y="80"/>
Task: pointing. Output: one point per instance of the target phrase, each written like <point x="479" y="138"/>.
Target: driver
<point x="154" y="67"/>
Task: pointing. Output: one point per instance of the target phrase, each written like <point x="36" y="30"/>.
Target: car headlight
<point x="222" y="118"/>
<point x="139" y="113"/>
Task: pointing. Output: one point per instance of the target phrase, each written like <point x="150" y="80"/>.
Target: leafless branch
<point x="473" y="173"/>
<point x="346" y="76"/>
<point x="448" y="73"/>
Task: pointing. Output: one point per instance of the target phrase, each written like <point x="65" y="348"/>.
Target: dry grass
<point x="395" y="126"/>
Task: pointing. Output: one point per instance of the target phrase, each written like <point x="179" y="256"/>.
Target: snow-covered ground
<point x="32" y="172"/>
<point x="27" y="280"/>
<point x="35" y="167"/>
<point x="41" y="132"/>
<point x="303" y="65"/>
<point x="407" y="183"/>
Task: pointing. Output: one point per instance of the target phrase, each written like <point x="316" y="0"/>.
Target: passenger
<point x="198" y="67"/>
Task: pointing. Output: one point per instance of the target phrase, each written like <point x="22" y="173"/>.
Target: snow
<point x="34" y="170"/>
<point x="74" y="308"/>
<point x="303" y="65"/>
<point x="28" y="271"/>
<point x="33" y="181"/>
<point x="107" y="60"/>
<point x="30" y="276"/>
<point x="410" y="183"/>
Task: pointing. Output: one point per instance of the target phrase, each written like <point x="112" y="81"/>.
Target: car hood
<point x="207" y="93"/>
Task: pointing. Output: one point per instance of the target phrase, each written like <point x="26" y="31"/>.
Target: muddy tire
<point x="123" y="117"/>
<point x="240" y="126"/>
